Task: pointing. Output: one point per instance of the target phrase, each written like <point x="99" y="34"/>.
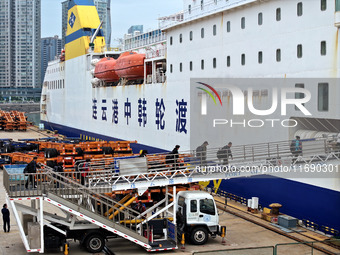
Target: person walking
<point x="338" y="142"/>
<point x="85" y="171"/>
<point x="201" y="153"/>
<point x="296" y="147"/>
<point x="5" y="217"/>
<point x="225" y="153"/>
<point x="58" y="169"/>
<point x="172" y="158"/>
<point x="31" y="169"/>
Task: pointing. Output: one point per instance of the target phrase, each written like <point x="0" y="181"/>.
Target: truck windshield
<point x="207" y="206"/>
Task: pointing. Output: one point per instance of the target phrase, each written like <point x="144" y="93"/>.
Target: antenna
<point x="96" y="32"/>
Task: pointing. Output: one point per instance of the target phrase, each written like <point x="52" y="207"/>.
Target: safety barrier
<point x="233" y="197"/>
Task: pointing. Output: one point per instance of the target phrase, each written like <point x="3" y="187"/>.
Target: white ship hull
<point x="75" y="108"/>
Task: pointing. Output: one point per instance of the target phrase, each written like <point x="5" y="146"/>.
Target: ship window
<point x="189" y="8"/>
<point x="190" y="35"/>
<point x="278" y="55"/>
<point x="299" y="95"/>
<point x="228" y="27"/>
<point x="214" y="30"/>
<point x="260" y="57"/>
<point x="260" y="19"/>
<point x="243" y="22"/>
<point x="243" y="59"/>
<point x="323" y="5"/>
<point x="202" y="64"/>
<point x="190" y="65"/>
<point x="171" y="68"/>
<point x="299" y="9"/>
<point x="180" y="38"/>
<point x="228" y="61"/>
<point x="170" y="40"/>
<point x="202" y="32"/>
<point x="193" y="206"/>
<point x="214" y="62"/>
<point x="278" y="14"/>
<point x="299" y="51"/>
<point x="323" y="94"/>
<point x="180" y="67"/>
<point x="323" y="48"/>
<point x="202" y="2"/>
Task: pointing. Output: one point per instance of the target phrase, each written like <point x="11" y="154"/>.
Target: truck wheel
<point x="199" y="236"/>
<point x="95" y="243"/>
<point x="79" y="151"/>
<point x="107" y="150"/>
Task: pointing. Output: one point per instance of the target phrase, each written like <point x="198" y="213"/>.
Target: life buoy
<point x="157" y="53"/>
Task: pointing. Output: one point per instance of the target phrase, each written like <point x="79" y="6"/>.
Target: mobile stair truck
<point x="88" y="215"/>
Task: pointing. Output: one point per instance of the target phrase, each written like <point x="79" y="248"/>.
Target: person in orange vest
<point x="84" y="171"/>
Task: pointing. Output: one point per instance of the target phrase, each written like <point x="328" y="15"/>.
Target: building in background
<point x="133" y="29"/>
<point x="50" y="49"/>
<point x="20" y="29"/>
<point x="103" y="8"/>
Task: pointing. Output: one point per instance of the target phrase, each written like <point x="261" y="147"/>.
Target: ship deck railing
<point x="202" y="10"/>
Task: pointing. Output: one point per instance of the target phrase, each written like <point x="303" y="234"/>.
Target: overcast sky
<point x="124" y="13"/>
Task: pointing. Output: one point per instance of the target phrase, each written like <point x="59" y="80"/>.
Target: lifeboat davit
<point x="105" y="70"/>
<point x="130" y="65"/>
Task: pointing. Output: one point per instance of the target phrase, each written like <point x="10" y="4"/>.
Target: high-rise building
<point x="20" y="29"/>
<point x="104" y="12"/>
<point x="135" y="28"/>
<point x="50" y="49"/>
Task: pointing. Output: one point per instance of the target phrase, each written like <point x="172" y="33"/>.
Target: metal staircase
<point x="92" y="207"/>
<point x="73" y="198"/>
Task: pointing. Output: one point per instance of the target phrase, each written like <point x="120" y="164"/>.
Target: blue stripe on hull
<point x="300" y="200"/>
<point x="74" y="132"/>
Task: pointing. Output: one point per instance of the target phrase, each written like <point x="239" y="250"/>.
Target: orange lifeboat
<point x="62" y="55"/>
<point x="130" y="65"/>
<point x="105" y="70"/>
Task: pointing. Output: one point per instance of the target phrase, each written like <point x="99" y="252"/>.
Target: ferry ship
<point x="192" y="69"/>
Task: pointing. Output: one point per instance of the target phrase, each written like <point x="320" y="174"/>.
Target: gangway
<point x="88" y="204"/>
<point x="247" y="160"/>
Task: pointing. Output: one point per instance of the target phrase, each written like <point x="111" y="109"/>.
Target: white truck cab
<point x="197" y="216"/>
